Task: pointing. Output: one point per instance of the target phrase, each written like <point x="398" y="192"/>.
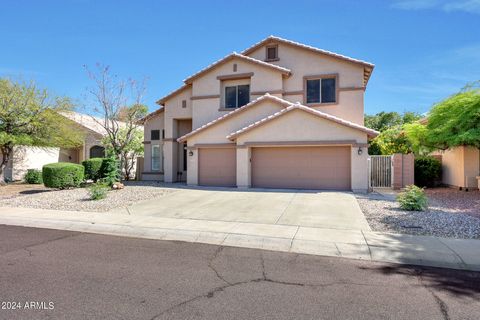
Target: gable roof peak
<point x="367" y="66"/>
<point x="232" y="55"/>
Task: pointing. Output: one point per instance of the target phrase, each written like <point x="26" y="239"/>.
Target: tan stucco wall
<point x="299" y="125"/>
<point x="460" y="166"/>
<point x="472" y="166"/>
<point x="218" y="132"/>
<point x="25" y="158"/>
<point x="305" y="63"/>
<point x="174" y="110"/>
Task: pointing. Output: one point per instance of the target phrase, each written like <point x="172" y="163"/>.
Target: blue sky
<point x="424" y="50"/>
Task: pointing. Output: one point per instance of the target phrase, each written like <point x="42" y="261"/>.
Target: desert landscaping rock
<point x="384" y="215"/>
<point x="79" y="200"/>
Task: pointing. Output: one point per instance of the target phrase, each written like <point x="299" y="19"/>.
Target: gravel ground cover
<point x="78" y="199"/>
<point x="451" y="214"/>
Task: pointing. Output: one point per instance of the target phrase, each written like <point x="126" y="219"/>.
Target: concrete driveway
<point x="338" y="210"/>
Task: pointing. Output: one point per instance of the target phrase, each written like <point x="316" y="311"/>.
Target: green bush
<point x="110" y="171"/>
<point x="62" y="175"/>
<point x="98" y="191"/>
<point x="413" y="199"/>
<point x="428" y="171"/>
<point x="93" y="168"/>
<point x="33" y="176"/>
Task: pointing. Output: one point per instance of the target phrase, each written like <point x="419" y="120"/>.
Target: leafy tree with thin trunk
<point x="117" y="103"/>
<point x="452" y="122"/>
<point x="29" y="117"/>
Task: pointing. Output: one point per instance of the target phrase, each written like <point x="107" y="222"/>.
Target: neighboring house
<point x="460" y="165"/>
<point x="278" y="115"/>
<point x="35" y="157"/>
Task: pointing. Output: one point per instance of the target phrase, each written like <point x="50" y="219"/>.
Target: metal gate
<point x="381" y="171"/>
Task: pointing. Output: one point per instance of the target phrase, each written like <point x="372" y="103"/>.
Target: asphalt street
<point x="51" y="274"/>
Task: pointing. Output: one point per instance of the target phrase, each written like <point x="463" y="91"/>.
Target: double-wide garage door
<point x="217" y="167"/>
<point x="279" y="167"/>
<point x="301" y="167"/>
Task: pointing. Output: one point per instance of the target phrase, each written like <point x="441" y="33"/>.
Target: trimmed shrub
<point x="413" y="199"/>
<point x="62" y="175"/>
<point x="428" y="171"/>
<point x="98" y="191"/>
<point x="110" y="171"/>
<point x="34" y="176"/>
<point x="93" y="168"/>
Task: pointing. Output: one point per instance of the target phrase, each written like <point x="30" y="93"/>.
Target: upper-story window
<point x="154" y="134"/>
<point x="237" y="96"/>
<point x="271" y="53"/>
<point x="321" y="90"/>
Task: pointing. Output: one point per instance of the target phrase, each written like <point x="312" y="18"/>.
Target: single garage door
<point x="217" y="167"/>
<point x="301" y="167"/>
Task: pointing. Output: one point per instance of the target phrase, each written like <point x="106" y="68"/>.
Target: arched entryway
<point x="97" y="152"/>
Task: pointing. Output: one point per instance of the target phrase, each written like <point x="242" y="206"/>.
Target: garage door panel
<point x="302" y="167"/>
<point x="217" y="167"/>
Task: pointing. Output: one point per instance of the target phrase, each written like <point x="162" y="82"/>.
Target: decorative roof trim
<point x="239" y="56"/>
<point x="297" y="106"/>
<point x="267" y="96"/>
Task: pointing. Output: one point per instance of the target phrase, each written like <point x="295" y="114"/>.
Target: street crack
<point x="441" y="304"/>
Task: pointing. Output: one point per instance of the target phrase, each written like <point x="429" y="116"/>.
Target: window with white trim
<point x="157" y="157"/>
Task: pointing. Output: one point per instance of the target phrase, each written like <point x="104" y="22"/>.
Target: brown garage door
<point x="301" y="167"/>
<point x="217" y="167"/>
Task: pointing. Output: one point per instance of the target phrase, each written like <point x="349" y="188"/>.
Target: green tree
<point x="131" y="151"/>
<point x="383" y="120"/>
<point x="119" y="105"/>
<point x="391" y="125"/>
<point x="452" y="122"/>
<point x="455" y="121"/>
<point x="393" y="140"/>
<point x="28" y="116"/>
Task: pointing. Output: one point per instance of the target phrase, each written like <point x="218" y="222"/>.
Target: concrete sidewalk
<point x="355" y="244"/>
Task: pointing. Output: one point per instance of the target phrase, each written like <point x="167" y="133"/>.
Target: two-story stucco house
<point x="278" y="115"/>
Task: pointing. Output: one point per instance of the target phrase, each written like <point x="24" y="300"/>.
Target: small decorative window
<point x="272" y="53"/>
<point x="237" y="96"/>
<point x="154" y="134"/>
<point x="321" y="90"/>
<point x="184" y="103"/>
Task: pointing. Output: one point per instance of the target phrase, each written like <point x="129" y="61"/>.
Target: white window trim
<point x="160" y="158"/>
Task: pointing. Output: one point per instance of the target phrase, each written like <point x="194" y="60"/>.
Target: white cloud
<point x="470" y="6"/>
<point x="415" y="4"/>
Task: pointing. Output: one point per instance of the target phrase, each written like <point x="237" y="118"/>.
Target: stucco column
<point x="192" y="167"/>
<point x="243" y="167"/>
<point x="169" y="158"/>
<point x="359" y="170"/>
